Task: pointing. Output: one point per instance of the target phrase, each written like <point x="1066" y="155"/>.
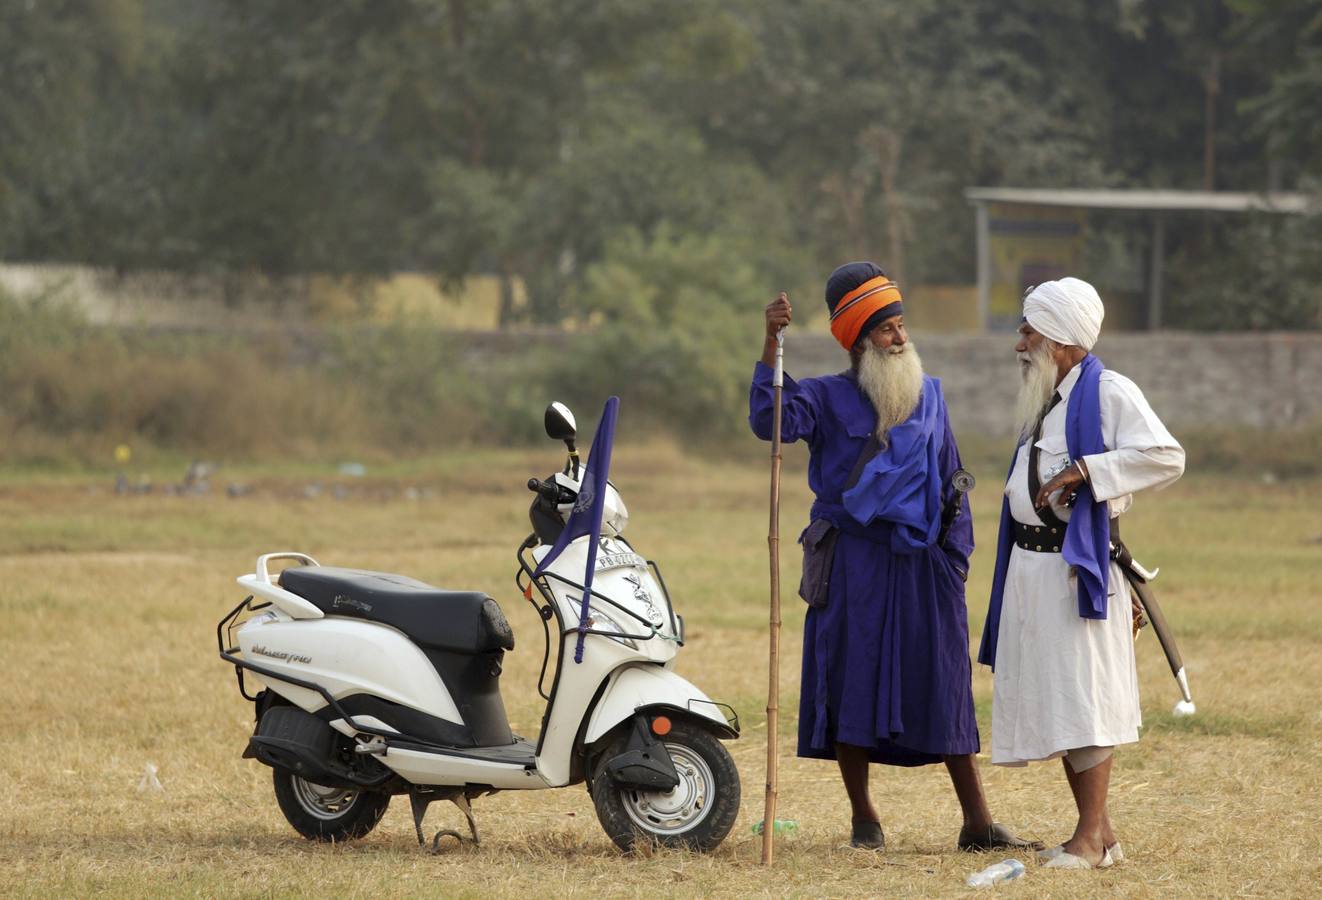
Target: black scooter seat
<point x="458" y="621"/>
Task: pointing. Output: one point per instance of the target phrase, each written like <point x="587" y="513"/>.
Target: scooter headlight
<point x="599" y="620"/>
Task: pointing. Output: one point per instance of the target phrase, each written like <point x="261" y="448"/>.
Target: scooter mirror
<point x="560" y="424"/>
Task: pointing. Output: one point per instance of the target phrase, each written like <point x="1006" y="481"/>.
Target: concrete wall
<point x="1251" y="380"/>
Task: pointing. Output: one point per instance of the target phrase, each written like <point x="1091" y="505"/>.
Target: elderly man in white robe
<point x="1059" y="628"/>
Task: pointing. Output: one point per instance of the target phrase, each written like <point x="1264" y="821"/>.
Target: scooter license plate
<point x="619" y="561"/>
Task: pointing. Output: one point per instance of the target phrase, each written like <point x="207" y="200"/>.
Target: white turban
<point x="1067" y="311"/>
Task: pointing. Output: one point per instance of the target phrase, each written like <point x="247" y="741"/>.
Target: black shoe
<point x="994" y="837"/>
<point x="868" y="836"/>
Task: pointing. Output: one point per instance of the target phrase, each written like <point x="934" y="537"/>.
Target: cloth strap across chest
<point x="1048" y="537"/>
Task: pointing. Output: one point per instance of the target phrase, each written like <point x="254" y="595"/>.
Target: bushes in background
<point x="677" y="348"/>
<point x="70" y="391"/>
<point x="675" y="324"/>
<point x="671" y="324"/>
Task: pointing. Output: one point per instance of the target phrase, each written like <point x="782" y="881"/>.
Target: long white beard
<point x="1039" y="372"/>
<point x="892" y="378"/>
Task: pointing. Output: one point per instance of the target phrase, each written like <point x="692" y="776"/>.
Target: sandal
<point x="1117" y="853"/>
<point x="1064" y="860"/>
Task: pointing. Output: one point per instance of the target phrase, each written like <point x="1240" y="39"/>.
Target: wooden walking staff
<point x="773" y="544"/>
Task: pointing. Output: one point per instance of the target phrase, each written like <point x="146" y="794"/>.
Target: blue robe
<point x="886" y="661"/>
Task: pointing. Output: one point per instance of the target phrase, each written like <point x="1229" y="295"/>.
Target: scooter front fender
<point x="648" y="686"/>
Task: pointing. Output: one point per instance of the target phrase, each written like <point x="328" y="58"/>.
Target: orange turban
<point x="863" y="306"/>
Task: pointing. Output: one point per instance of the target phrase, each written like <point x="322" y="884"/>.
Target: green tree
<point x="680" y="314"/>
<point x="1282" y="39"/>
<point x="77" y="138"/>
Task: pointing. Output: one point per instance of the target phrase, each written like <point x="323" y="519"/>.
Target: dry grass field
<point x="107" y="656"/>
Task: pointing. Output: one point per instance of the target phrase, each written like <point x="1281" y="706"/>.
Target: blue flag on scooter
<point x="586" y="515"/>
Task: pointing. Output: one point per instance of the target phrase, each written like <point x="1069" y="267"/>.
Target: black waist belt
<point x="1039" y="538"/>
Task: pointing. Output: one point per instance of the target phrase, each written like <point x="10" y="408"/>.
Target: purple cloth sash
<point x="901" y="484"/>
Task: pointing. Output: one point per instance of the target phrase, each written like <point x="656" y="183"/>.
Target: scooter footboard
<point x="647" y="687"/>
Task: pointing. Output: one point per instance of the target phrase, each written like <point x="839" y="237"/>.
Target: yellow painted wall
<point x="1030" y="245"/>
<point x="942" y="307"/>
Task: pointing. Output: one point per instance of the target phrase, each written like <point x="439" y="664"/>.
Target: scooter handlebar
<point x="549" y="491"/>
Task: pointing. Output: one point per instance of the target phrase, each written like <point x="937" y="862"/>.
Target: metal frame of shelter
<point x="1157" y="203"/>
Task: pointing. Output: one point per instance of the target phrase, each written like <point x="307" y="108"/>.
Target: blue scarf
<point x="900" y="484"/>
<point x="1087" y="534"/>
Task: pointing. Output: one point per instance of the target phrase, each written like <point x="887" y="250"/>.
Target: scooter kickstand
<point x="466" y="806"/>
<point x="420" y="800"/>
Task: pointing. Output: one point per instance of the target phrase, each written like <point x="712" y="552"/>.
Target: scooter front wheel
<point x="697" y="813"/>
<point x="323" y="813"/>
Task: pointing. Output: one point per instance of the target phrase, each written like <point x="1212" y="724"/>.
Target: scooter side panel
<point x="578" y="682"/>
<point x="346" y="656"/>
<point x="444" y="769"/>
<point x="573" y="694"/>
<point x="639" y="686"/>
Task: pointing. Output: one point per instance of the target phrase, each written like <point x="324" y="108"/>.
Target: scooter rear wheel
<point x="697" y="814"/>
<point x="323" y="813"/>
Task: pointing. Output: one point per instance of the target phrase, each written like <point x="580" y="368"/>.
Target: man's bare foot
<point x="1090" y="847"/>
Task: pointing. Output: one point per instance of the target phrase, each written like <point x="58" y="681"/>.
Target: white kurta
<point x="1063" y="682"/>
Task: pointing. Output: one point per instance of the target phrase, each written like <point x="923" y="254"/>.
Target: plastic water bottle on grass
<point x="781" y="827"/>
<point x="1006" y="870"/>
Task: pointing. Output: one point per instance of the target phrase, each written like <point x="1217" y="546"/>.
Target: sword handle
<point x="961" y="483"/>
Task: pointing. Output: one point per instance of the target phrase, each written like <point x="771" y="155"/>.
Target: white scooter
<point x="377" y="684"/>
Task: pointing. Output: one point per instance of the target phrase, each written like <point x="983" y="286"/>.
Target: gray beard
<point x="892" y="379"/>
<point x="1039" y="374"/>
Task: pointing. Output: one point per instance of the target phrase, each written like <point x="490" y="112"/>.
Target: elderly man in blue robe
<point x="886" y="668"/>
<point x="1059" y="627"/>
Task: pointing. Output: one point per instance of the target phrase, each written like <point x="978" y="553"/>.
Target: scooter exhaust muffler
<point x="293" y="739"/>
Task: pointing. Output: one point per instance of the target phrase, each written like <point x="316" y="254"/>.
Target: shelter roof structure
<point x="1141" y="199"/>
<point x="1155" y="203"/>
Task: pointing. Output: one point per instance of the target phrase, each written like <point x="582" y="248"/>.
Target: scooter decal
<point x="641" y="594"/>
<point x="282" y="655"/>
<point x="585" y="497"/>
<point x="343" y="602"/>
